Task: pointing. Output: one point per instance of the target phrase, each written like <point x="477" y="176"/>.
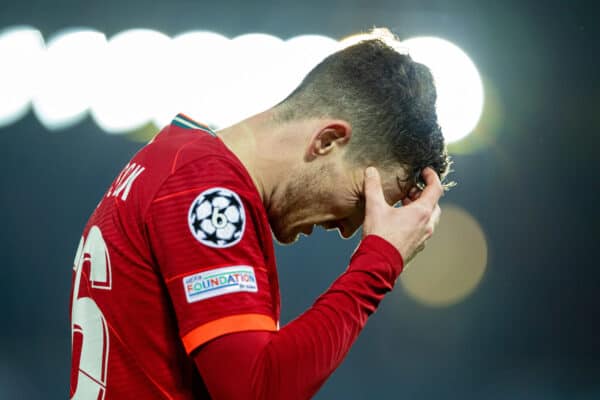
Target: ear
<point x="327" y="137"/>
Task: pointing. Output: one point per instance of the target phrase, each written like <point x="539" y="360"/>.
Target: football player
<point x="175" y="289"/>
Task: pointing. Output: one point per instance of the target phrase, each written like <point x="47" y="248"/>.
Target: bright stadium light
<point x="65" y="86"/>
<point x="355" y="39"/>
<point x="196" y="85"/>
<point x="128" y="90"/>
<point x="382" y="34"/>
<point x="133" y="79"/>
<point x="458" y="84"/>
<point x="302" y="53"/>
<point x="20" y="51"/>
<point x="255" y="76"/>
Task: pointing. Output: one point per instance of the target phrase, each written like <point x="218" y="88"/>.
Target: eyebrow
<point x="401" y="183"/>
<point x="403" y="193"/>
<point x="416" y="182"/>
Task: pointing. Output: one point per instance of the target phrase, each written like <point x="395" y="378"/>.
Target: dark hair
<point x="388" y="99"/>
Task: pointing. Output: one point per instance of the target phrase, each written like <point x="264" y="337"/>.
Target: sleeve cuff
<point x="223" y="326"/>
<point x="385" y="249"/>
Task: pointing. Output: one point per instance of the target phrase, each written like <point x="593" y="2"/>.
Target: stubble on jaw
<point x="304" y="191"/>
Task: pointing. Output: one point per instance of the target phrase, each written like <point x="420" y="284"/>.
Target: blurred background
<point x="503" y="302"/>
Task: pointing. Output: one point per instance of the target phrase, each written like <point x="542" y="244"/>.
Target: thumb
<point x="373" y="191"/>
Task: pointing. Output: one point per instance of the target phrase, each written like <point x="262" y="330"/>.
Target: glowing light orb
<point x="196" y="80"/>
<point x="128" y="90"/>
<point x="65" y="87"/>
<point x="458" y="84"/>
<point x="302" y="53"/>
<point x="382" y="34"/>
<point x="20" y="51"/>
<point x="142" y="75"/>
<point x="255" y="75"/>
<point x="452" y="264"/>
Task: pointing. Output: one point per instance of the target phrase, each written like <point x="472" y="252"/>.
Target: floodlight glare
<point x="20" y="51"/>
<point x="65" y="84"/>
<point x="302" y="53"/>
<point x="458" y="84"/>
<point x="196" y="85"/>
<point x="128" y="89"/>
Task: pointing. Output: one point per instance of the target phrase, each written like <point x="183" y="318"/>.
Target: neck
<point x="256" y="142"/>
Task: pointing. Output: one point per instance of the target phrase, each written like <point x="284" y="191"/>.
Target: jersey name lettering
<point x="124" y="181"/>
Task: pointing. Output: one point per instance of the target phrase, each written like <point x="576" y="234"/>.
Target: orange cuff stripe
<point x="223" y="326"/>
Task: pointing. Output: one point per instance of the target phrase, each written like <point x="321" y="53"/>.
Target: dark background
<point x="529" y="331"/>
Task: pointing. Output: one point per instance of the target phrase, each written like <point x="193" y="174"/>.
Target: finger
<point x="417" y="251"/>
<point x="406" y="201"/>
<point x="373" y="191"/>
<point x="433" y="221"/>
<point x="420" y="248"/>
<point x="414" y="193"/>
<point x="433" y="191"/>
<point x="435" y="216"/>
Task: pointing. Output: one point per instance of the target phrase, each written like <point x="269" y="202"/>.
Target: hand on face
<point x="408" y="227"/>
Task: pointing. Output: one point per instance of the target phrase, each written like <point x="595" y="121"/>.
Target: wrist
<point x="384" y="249"/>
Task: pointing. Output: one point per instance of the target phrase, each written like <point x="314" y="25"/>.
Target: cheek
<point x="350" y="220"/>
<point x="344" y="204"/>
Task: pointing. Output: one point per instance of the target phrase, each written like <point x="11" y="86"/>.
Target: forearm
<point x="294" y="362"/>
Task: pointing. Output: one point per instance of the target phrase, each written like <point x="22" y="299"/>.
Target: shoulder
<point x="188" y="155"/>
<point x="206" y="170"/>
<point x="213" y="199"/>
<point x="196" y="172"/>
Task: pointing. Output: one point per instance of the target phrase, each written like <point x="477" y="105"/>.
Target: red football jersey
<point x="178" y="252"/>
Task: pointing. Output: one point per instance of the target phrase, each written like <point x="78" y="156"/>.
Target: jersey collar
<point x="184" y="121"/>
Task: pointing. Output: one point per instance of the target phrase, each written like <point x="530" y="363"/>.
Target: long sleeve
<point x="294" y="362"/>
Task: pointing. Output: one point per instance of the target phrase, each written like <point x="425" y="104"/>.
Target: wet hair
<point x="388" y="99"/>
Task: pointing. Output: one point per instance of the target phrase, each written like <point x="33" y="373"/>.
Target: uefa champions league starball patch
<point x="217" y="218"/>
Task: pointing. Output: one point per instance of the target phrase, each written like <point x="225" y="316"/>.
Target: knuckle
<point x="424" y="214"/>
<point x="438" y="215"/>
<point x="429" y="231"/>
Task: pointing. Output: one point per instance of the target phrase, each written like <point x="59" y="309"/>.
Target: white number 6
<point x="87" y="319"/>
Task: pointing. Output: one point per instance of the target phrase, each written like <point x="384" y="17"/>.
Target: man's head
<point x="367" y="104"/>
